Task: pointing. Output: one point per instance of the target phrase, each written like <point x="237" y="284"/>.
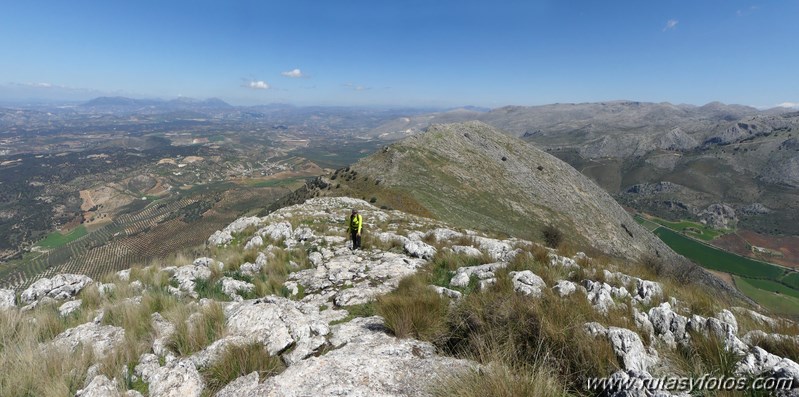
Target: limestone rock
<point x="527" y="282"/>
<point x="482" y="272"/>
<point x="719" y="216"/>
<point x="244" y="386"/>
<point x="668" y="325"/>
<point x="378" y="365"/>
<point x="303" y="234"/>
<point x="186" y="275"/>
<point x="232" y="287"/>
<point x="601" y="295"/>
<point x="467" y="250"/>
<point x="277" y="231"/>
<point x="69" y="307"/>
<point x="100" y="386"/>
<point x="180" y="379"/>
<point x="101" y="338"/>
<point x="275" y="322"/>
<point x="759" y="362"/>
<point x="564" y="288"/>
<point x="255" y="242"/>
<point x="646" y="291"/>
<point x="220" y="238"/>
<point x="446" y="292"/>
<point x="60" y="287"/>
<point x="629" y="349"/>
<point x="418" y="249"/>
<point x="7" y="299"/>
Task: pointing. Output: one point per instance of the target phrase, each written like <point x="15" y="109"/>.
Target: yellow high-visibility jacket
<point x="356" y="222"/>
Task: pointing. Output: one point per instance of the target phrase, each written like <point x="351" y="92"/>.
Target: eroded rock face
<point x="418" y="249"/>
<point x="759" y="362"/>
<point x="719" y="216"/>
<point x="101" y="338"/>
<point x="7" y="299"/>
<point x="668" y="325"/>
<point x="354" y="277"/>
<point x="225" y="236"/>
<point x="370" y="363"/>
<point x="69" y="307"/>
<point x="277" y="231"/>
<point x="527" y="283"/>
<point x="100" y="386"/>
<point x="60" y="287"/>
<point x="629" y="349"/>
<point x="180" y="379"/>
<point x="277" y="323"/>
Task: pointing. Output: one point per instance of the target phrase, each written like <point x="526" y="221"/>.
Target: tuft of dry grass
<point x="26" y="369"/>
<point x="238" y="361"/>
<point x="195" y="332"/>
<point x="498" y="322"/>
<point x="413" y="310"/>
<point x="500" y="380"/>
<point x="704" y="355"/>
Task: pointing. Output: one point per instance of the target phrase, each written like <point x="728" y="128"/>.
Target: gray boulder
<point x="255" y="242"/>
<point x="103" y="339"/>
<point x="60" y="287"/>
<point x="419" y="249"/>
<point x="371" y="364"/>
<point x="564" y="288"/>
<point x="668" y="325"/>
<point x="277" y="231"/>
<point x="176" y="379"/>
<point x="100" y="386"/>
<point x="232" y="287"/>
<point x="527" y="283"/>
<point x="629" y="349"/>
<point x="275" y="322"/>
<point x="69" y="307"/>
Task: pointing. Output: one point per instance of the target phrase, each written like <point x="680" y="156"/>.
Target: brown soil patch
<point x="726" y="277"/>
<point x="741" y="241"/>
<point x="88" y="202"/>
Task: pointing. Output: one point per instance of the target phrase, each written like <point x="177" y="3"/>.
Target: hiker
<point x="354" y="228"/>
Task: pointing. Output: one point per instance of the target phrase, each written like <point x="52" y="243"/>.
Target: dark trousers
<point x="356" y="240"/>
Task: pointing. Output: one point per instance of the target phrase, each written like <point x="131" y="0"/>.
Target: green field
<point x="773" y="286"/>
<point x="56" y="239"/>
<point x="693" y="229"/>
<point x="791" y="280"/>
<point x="716" y="259"/>
<point x="778" y="303"/>
<point x="647" y="224"/>
<point x="277" y="182"/>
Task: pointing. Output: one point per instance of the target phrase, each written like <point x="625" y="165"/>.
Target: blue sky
<point x="403" y="53"/>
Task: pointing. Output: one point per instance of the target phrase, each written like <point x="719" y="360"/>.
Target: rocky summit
<point x="281" y="306"/>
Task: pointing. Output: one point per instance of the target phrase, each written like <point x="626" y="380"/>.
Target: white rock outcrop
<point x="527" y="283"/>
<point x="60" y="287"/>
<point x="102" y="339"/>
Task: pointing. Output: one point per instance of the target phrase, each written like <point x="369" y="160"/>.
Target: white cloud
<point x="790" y="105"/>
<point x="257" y="85"/>
<point x="294" y="74"/>
<point x="671" y="24"/>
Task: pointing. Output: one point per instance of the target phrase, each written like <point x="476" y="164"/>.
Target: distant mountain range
<point x="123" y="104"/>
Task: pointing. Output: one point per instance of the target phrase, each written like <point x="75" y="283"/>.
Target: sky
<point x="403" y="53"/>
